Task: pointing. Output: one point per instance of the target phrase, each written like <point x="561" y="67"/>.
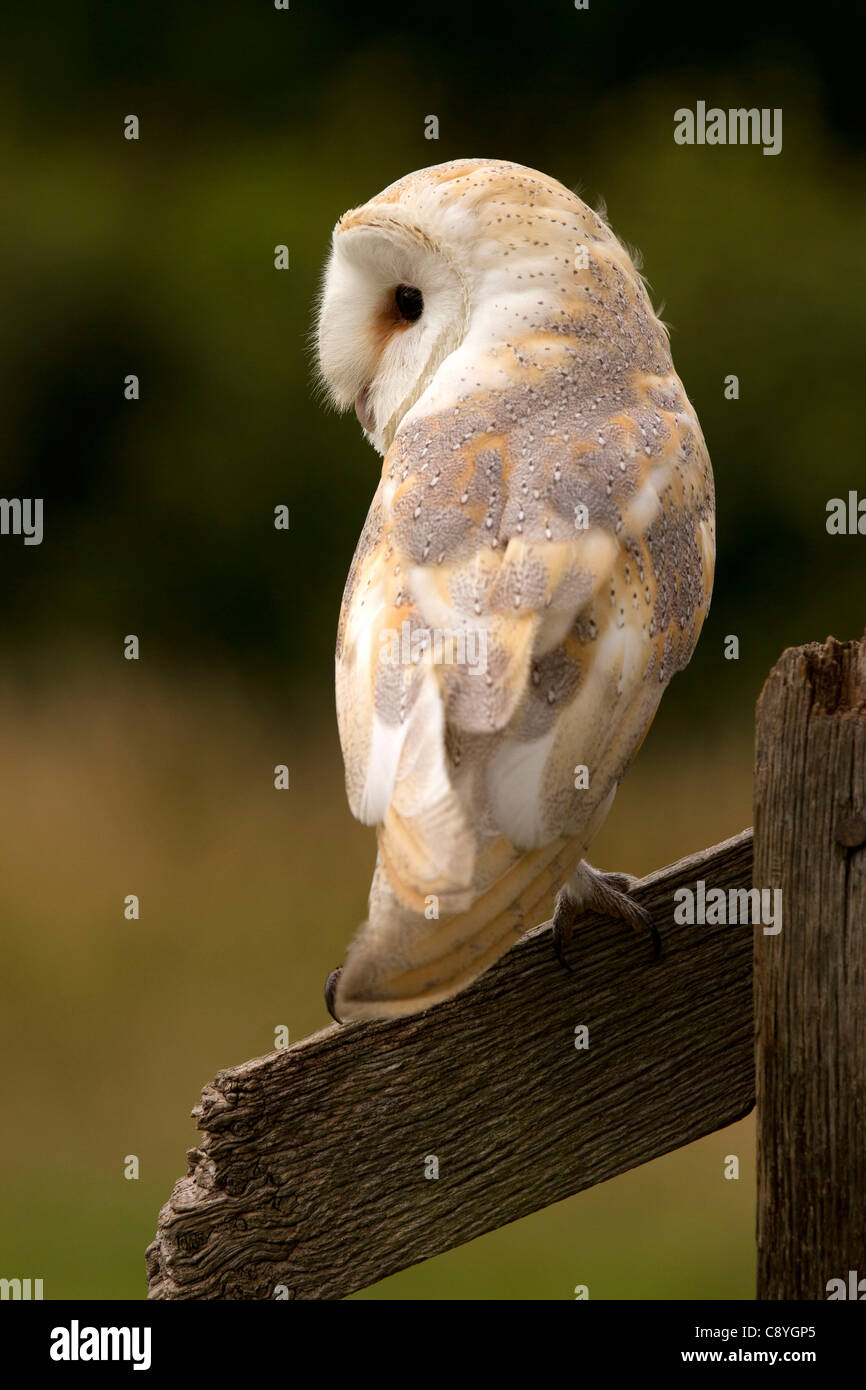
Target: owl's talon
<point x="565" y="914"/>
<point x="589" y="889"/>
<point x="331" y="992"/>
<point x="613" y="895"/>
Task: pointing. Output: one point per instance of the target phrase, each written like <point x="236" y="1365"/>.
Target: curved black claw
<point x="331" y="992"/>
<point x="642" y="921"/>
<point x="655" y="938"/>
<point x="559" y="943"/>
<point x="564" y="917"/>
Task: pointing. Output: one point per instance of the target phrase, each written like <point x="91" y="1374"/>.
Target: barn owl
<point x="535" y="565"/>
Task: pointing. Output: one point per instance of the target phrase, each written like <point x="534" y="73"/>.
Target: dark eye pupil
<point x="409" y="301"/>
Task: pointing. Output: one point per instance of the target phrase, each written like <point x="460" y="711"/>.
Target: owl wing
<point x="578" y="586"/>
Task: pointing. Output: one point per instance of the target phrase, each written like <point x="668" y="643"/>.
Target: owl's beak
<point x="364" y="411"/>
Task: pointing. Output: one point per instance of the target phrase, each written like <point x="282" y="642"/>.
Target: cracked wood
<point x="810" y="980"/>
<point x="310" y="1169"/>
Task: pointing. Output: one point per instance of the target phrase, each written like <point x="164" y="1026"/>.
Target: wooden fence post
<point x="810" y="979"/>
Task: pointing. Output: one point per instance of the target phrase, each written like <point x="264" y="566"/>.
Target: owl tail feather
<point x="401" y="963"/>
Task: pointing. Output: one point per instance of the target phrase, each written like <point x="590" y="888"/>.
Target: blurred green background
<point x="260" y="127"/>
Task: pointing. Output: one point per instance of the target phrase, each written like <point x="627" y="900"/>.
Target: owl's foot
<point x="331" y="992"/>
<point x="590" y="890"/>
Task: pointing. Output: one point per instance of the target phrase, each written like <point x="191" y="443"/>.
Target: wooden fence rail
<point x="313" y="1175"/>
<point x="311" y="1169"/>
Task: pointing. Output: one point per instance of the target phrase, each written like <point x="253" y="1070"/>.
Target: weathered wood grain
<point x="810" y="980"/>
<point x="311" y="1169"/>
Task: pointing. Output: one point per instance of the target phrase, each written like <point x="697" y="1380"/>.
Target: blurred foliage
<point x="260" y="127"/>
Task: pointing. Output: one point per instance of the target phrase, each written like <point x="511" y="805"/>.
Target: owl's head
<point x="447" y="281"/>
<point x="394" y="304"/>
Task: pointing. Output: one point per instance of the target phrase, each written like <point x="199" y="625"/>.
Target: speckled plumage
<point x="546" y="484"/>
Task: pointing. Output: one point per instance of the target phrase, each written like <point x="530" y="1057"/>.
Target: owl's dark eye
<point x="410" y="302"/>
